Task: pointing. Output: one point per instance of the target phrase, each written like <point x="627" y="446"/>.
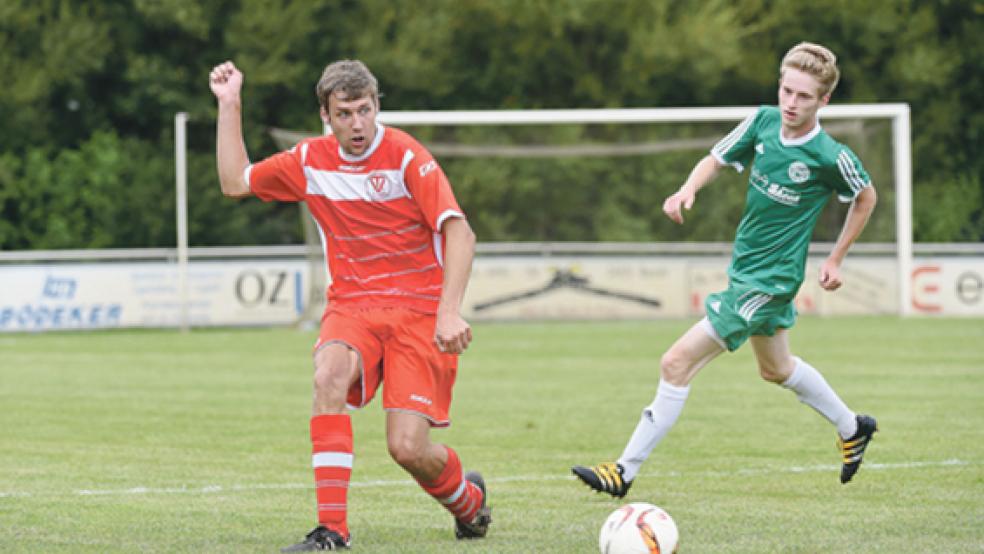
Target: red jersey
<point x="379" y="215"/>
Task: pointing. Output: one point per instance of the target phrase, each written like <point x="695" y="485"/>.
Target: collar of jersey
<point x="800" y="141"/>
<point x="369" y="151"/>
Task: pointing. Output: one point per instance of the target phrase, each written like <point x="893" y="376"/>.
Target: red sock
<point x="462" y="498"/>
<point x="331" y="457"/>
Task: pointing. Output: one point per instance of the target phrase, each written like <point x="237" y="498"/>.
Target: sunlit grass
<point x="156" y="441"/>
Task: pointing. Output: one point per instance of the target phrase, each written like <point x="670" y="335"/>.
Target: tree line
<point x="91" y="89"/>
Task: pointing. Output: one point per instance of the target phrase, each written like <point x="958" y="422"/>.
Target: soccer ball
<point x="638" y="528"/>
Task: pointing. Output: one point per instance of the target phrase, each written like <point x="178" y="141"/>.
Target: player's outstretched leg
<point x="321" y="538"/>
<point x="852" y="449"/>
<point x="478" y="526"/>
<point x="606" y="478"/>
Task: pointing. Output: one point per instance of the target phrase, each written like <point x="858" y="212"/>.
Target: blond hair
<point x="350" y="77"/>
<point x="815" y="60"/>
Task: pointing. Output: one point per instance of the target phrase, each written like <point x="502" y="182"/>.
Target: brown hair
<point x="350" y="77"/>
<point x="815" y="60"/>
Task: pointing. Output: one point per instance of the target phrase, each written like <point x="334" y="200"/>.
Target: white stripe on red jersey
<point x="379" y="215"/>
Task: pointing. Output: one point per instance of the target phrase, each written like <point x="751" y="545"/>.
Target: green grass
<point x="154" y="441"/>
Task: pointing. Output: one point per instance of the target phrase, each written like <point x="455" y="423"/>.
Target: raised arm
<point x="857" y="218"/>
<point x="703" y="173"/>
<point x="452" y="333"/>
<point x="226" y="83"/>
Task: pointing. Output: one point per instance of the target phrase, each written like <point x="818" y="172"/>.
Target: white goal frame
<point x="899" y="114"/>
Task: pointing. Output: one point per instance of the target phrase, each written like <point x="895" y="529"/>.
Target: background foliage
<point x="91" y="88"/>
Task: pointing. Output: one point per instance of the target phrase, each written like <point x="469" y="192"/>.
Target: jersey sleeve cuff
<point x="720" y="159"/>
<point x="445" y="215"/>
<point x="246" y="172"/>
<point x="848" y="199"/>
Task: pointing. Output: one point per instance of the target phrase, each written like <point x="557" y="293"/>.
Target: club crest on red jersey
<point x="377" y="184"/>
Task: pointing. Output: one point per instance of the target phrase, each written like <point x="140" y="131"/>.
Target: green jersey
<point x="791" y="181"/>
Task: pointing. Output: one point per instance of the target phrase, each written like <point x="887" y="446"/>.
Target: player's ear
<point x="824" y="100"/>
<point x="324" y="116"/>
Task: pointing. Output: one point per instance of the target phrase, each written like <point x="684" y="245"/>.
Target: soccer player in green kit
<point x="795" y="167"/>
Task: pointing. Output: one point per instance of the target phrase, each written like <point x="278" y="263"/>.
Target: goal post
<point x="898" y="114"/>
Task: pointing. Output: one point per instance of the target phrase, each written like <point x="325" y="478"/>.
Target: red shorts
<point x="399" y="343"/>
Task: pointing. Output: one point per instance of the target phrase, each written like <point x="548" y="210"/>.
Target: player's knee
<point x="674" y="366"/>
<point x="334" y="371"/>
<point x="775" y="371"/>
<point x="405" y="451"/>
<point x="328" y="380"/>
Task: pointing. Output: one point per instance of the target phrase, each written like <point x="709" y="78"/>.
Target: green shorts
<point x="742" y="311"/>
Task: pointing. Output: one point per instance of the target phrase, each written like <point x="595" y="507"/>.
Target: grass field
<point x="154" y="441"/>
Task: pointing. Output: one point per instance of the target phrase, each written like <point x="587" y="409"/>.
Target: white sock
<point x="812" y="389"/>
<point x="656" y="421"/>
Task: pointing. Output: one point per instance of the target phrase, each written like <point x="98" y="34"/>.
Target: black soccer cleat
<point x="852" y="449"/>
<point x="321" y="538"/>
<point x="479" y="525"/>
<point x="606" y="478"/>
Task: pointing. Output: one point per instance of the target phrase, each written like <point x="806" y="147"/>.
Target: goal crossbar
<point x="898" y="113"/>
<point x="619" y="115"/>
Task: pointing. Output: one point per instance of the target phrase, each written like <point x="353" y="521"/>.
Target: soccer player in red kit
<point x="399" y="251"/>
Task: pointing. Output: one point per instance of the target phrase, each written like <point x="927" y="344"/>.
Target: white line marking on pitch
<point x="516" y="478"/>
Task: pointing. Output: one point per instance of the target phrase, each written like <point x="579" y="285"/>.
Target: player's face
<point x="353" y="122"/>
<point x="799" y="100"/>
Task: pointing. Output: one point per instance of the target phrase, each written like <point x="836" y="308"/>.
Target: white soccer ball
<point x="639" y="528"/>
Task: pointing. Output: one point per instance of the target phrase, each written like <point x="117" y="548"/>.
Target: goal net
<point x="599" y="177"/>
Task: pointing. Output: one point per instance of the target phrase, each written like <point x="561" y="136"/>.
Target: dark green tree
<point x="91" y="89"/>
